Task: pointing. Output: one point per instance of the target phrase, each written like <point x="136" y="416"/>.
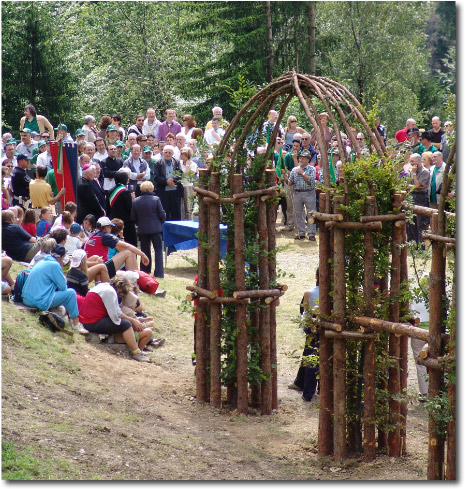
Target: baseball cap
<point x="104" y="221"/>
<point x="119" y="143"/>
<point x="58" y="251"/>
<point x="34" y="134"/>
<point x="26" y="130"/>
<point x="80" y="132"/>
<point x="61" y="126"/>
<point x="11" y="141"/>
<point x="147" y="149"/>
<point x="41" y="143"/>
<point x="305" y="153"/>
<point x="75" y="228"/>
<point x="21" y="156"/>
<point x="76" y="258"/>
<point x="111" y="127"/>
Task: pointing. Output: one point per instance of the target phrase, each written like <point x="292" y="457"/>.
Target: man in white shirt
<point x="140" y="170"/>
<point x="45" y="158"/>
<point x="101" y="153"/>
<point x="214" y="135"/>
<point x="151" y="124"/>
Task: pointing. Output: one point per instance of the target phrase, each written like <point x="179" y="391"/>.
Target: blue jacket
<point x="148" y="213"/>
<point x="43" y="281"/>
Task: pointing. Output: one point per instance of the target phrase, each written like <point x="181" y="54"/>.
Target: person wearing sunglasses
<point x="290" y="131"/>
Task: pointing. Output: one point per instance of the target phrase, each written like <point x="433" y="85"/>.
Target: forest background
<point x="70" y="59"/>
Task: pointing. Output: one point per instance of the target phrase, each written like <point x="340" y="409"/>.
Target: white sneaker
<point x="141" y="357"/>
<point x="79" y="328"/>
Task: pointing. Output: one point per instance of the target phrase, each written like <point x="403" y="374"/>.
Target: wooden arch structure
<point x="336" y="435"/>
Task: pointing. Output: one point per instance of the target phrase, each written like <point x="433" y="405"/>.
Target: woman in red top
<point x="100" y="312"/>
<point x="29" y="222"/>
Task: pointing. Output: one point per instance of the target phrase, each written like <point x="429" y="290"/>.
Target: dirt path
<point x="113" y="418"/>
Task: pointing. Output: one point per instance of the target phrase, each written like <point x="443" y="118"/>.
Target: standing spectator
<point x="419" y="310"/>
<point x="90" y="132"/>
<point x="214" y="135"/>
<point x="217" y="112"/>
<point x="62" y="134"/>
<point x="46" y="288"/>
<point x="116" y="120"/>
<point x="381" y="130"/>
<point x="35" y="122"/>
<point x="119" y="205"/>
<point x="269" y="125"/>
<point x="401" y="134"/>
<point x="105" y="121"/>
<point x="20" y="181"/>
<point x="147" y="212"/>
<point x="445" y="140"/>
<point x="327" y="132"/>
<point x="111" y="134"/>
<point x="436" y="132"/>
<point x="45" y="158"/>
<point x="151" y="124"/>
<point x="302" y="178"/>
<point x="437" y="175"/>
<point x="426" y="138"/>
<point x="97" y="184"/>
<point x="87" y="201"/>
<point x="415" y="143"/>
<point x="139" y="169"/>
<point x="291" y="130"/>
<point x="27" y="145"/>
<point x="306" y="145"/>
<point x="427" y="160"/>
<point x="169" y="188"/>
<point x="169" y="125"/>
<point x="137" y="127"/>
<point x="10" y="157"/>
<point x="41" y="192"/>
<point x="188" y="123"/>
<point x="132" y="140"/>
<point x="420" y="179"/>
<point x="101" y="148"/>
<point x="110" y="166"/>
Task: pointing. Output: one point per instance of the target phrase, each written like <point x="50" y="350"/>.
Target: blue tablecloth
<point x="180" y="235"/>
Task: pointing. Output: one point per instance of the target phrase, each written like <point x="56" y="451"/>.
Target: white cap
<point x="104" y="221"/>
<point x="132" y="276"/>
<point x="76" y="258"/>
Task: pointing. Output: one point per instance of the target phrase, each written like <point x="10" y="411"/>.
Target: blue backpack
<point x="19" y="284"/>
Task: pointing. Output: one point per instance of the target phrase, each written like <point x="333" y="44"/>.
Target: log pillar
<point x="369" y="414"/>
<point x="339" y="350"/>
<point x="241" y="309"/>
<point x="201" y="382"/>
<point x="436" y="321"/>
<point x="325" y="419"/>
<point x="214" y="286"/>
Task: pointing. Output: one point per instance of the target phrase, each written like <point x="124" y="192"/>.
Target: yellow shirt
<point x="40" y="192"/>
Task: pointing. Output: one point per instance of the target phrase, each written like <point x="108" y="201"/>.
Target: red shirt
<point x="30" y="228"/>
<point x="401" y="135"/>
<point x="92" y="309"/>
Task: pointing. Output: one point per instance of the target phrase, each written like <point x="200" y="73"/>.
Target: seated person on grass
<point x="18" y="244"/>
<point x="45" y="287"/>
<point x="80" y="274"/>
<point x="46" y="246"/>
<point x="7" y="281"/>
<point x="100" y="242"/>
<point x="101" y="313"/>
<point x="44" y="224"/>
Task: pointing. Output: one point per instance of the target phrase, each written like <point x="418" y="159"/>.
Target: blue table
<point x="180" y="235"/>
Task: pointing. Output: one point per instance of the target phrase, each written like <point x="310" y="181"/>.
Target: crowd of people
<point x="130" y="180"/>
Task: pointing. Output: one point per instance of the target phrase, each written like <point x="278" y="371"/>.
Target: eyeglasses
<point x="305" y="138"/>
<point x="293" y="120"/>
<point x="8" y="166"/>
<point x="360" y="139"/>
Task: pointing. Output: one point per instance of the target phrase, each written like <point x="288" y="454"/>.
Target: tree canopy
<point x="74" y="58"/>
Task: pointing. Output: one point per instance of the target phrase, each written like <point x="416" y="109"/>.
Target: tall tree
<point x="34" y="68"/>
<point x="270" y="61"/>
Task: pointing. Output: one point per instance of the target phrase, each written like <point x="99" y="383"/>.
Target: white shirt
<point x="99" y="156"/>
<point x="187" y="133"/>
<point x="44" y="159"/>
<point x="209" y="135"/>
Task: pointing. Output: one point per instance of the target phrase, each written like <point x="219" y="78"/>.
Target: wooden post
<point x="271" y="211"/>
<point x="214" y="285"/>
<point x="369" y="414"/>
<point x="264" y="283"/>
<point x="436" y="377"/>
<point x="394" y="448"/>
<point x="339" y="363"/>
<point x="325" y="419"/>
<point x="451" y="427"/>
<point x="201" y="381"/>
<point x="241" y="310"/>
<point x="404" y="341"/>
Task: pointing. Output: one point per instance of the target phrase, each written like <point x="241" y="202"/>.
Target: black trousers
<point x="157" y="241"/>
<point x="171" y="202"/>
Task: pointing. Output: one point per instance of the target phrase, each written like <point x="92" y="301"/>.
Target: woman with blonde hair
<point x="427" y="159"/>
<point x="290" y="131"/>
<point x="327" y="131"/>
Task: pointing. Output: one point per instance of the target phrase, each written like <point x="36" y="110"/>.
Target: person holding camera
<point x="140" y="170"/>
<point x="167" y="176"/>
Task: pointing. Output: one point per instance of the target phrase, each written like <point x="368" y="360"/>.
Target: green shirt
<point x="288" y="161"/>
<point x="50" y="179"/>
<point x="418" y="148"/>
<point x="33" y="126"/>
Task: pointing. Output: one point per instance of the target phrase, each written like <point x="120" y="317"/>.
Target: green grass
<point x="20" y="465"/>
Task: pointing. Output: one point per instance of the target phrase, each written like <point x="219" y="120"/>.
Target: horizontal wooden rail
<point x="351" y="335"/>
<point x="369" y="226"/>
<point x="254" y="193"/>
<point x="202" y="292"/>
<point x="394" y="328"/>
<point x="383" y="218"/>
<point x="438" y="237"/>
